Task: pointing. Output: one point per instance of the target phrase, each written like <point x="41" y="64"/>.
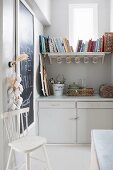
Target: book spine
<point x="102" y="44"/>
<point x="57" y="44"/>
<point x="62" y="44"/>
<point x="54" y="45"/>
<point x="86" y="46"/>
<point x="50" y="45"/>
<point x="65" y="45"/>
<point x="82" y="47"/>
<point x="40" y="44"/>
<point x="44" y="47"/>
<point x="72" y="50"/>
<point x="79" y="45"/>
<point x="68" y="45"/>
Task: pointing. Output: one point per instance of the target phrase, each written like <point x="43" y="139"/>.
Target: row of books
<point x="91" y="46"/>
<point x="54" y="45"/>
<point x="102" y="44"/>
<point x="62" y="45"/>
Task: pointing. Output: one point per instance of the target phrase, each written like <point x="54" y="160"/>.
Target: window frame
<point x="95" y="23"/>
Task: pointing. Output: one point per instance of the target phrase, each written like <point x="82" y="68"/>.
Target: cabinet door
<point x="89" y="119"/>
<point x="58" y="125"/>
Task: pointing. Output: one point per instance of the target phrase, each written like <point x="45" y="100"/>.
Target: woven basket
<point x="80" y="92"/>
<point x="106" y="91"/>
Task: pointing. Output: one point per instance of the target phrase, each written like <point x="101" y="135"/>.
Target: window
<point x="83" y="22"/>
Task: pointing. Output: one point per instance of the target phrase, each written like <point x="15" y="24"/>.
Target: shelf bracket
<point x="103" y="59"/>
<point x="50" y="59"/>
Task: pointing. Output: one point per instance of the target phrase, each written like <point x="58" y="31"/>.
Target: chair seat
<point x="27" y="143"/>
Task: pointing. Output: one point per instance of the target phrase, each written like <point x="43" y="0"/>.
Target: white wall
<point x="60" y="27"/>
<point x="42" y="9"/>
<point x="45" y="6"/>
<point x="60" y="16"/>
<point x="95" y="74"/>
<point x="111" y="15"/>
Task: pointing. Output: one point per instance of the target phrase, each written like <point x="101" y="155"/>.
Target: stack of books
<point x="51" y="44"/>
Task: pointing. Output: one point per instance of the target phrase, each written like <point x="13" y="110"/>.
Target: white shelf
<point x="81" y="55"/>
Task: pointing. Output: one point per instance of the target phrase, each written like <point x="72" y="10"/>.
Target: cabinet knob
<point x="74" y="118"/>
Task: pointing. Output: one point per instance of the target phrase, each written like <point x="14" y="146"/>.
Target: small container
<point x="58" y="89"/>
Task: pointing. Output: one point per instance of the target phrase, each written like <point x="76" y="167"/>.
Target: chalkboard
<point x="26" y="40"/>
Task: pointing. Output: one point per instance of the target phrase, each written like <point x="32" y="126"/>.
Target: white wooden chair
<point x="22" y="142"/>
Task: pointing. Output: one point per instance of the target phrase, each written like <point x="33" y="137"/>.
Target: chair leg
<point x="46" y="157"/>
<point x="9" y="159"/>
<point x="27" y="161"/>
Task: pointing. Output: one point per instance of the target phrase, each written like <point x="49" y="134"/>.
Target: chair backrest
<point x="16" y="123"/>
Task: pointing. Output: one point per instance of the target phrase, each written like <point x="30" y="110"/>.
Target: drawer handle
<point x="54" y="105"/>
<point x="74" y="118"/>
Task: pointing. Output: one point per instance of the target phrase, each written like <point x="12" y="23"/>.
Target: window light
<point x="83" y="22"/>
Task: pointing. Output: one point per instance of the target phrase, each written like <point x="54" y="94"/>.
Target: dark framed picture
<point x="25" y="44"/>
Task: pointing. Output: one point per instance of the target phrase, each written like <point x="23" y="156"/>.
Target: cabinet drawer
<point x="57" y="105"/>
<point x="95" y="105"/>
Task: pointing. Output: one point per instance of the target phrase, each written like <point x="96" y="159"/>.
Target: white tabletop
<point x="103" y="142"/>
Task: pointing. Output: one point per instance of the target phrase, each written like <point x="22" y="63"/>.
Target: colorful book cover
<point x="50" y="45"/>
<point x="79" y="45"/>
<point x="40" y="44"/>
<point x="57" y="44"/>
<point x="65" y="45"/>
<point x="62" y="44"/>
<point x="68" y="45"/>
<point x="94" y="44"/>
<point x="82" y="47"/>
<point x="102" y="44"/>
<point x="86" y="46"/>
<point x="53" y="44"/>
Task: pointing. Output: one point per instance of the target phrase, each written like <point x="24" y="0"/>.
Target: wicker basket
<point x="106" y="91"/>
<point x="80" y="92"/>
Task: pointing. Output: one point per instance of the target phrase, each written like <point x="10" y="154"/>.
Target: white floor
<point x="65" y="158"/>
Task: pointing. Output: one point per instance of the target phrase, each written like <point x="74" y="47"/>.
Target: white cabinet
<point x="72" y="121"/>
<point x="56" y="105"/>
<point x="93" y="115"/>
<point x="58" y="125"/>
